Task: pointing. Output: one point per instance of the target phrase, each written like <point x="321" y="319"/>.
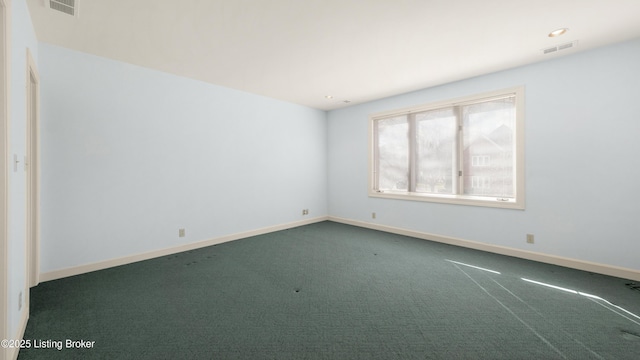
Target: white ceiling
<point x="357" y="50"/>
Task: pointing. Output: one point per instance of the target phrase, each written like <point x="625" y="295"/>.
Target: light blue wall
<point x="582" y="166"/>
<point x="22" y="37"/>
<point x="130" y="155"/>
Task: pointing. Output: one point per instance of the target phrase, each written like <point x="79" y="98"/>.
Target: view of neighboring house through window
<point x="480" y="160"/>
<point x="489" y="129"/>
<point x="462" y="152"/>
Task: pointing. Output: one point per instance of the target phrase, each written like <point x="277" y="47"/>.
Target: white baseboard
<point x="604" y="269"/>
<point x="77" y="270"/>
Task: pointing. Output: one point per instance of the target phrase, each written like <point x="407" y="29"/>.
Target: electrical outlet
<point x="305" y="212"/>
<point x="373" y="215"/>
<point x="180" y="232"/>
<point x="20" y="301"/>
<point x="529" y="238"/>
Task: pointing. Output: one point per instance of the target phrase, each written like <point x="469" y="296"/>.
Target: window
<point x="480" y="182"/>
<point x="467" y="151"/>
<point x="480" y="160"/>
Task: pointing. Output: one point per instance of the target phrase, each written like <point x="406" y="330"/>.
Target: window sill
<point x="451" y="199"/>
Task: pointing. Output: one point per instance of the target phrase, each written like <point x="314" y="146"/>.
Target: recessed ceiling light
<point x="558" y="32"/>
<point x="328" y="97"/>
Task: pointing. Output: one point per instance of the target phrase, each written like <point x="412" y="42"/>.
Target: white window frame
<point x="517" y="202"/>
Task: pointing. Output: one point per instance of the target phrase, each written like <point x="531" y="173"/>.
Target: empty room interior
<point x="320" y="179"/>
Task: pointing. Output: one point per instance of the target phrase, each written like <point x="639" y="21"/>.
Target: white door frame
<point x="32" y="165"/>
<point x="4" y="169"/>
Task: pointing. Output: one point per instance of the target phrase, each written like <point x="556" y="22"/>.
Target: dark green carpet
<point x="332" y="291"/>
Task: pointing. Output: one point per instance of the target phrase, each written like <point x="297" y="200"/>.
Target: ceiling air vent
<point x="69" y="7"/>
<point x="560" y="47"/>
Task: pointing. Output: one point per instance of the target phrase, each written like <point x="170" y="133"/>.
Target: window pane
<point x="435" y="151"/>
<point x="393" y="153"/>
<point x="489" y="130"/>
